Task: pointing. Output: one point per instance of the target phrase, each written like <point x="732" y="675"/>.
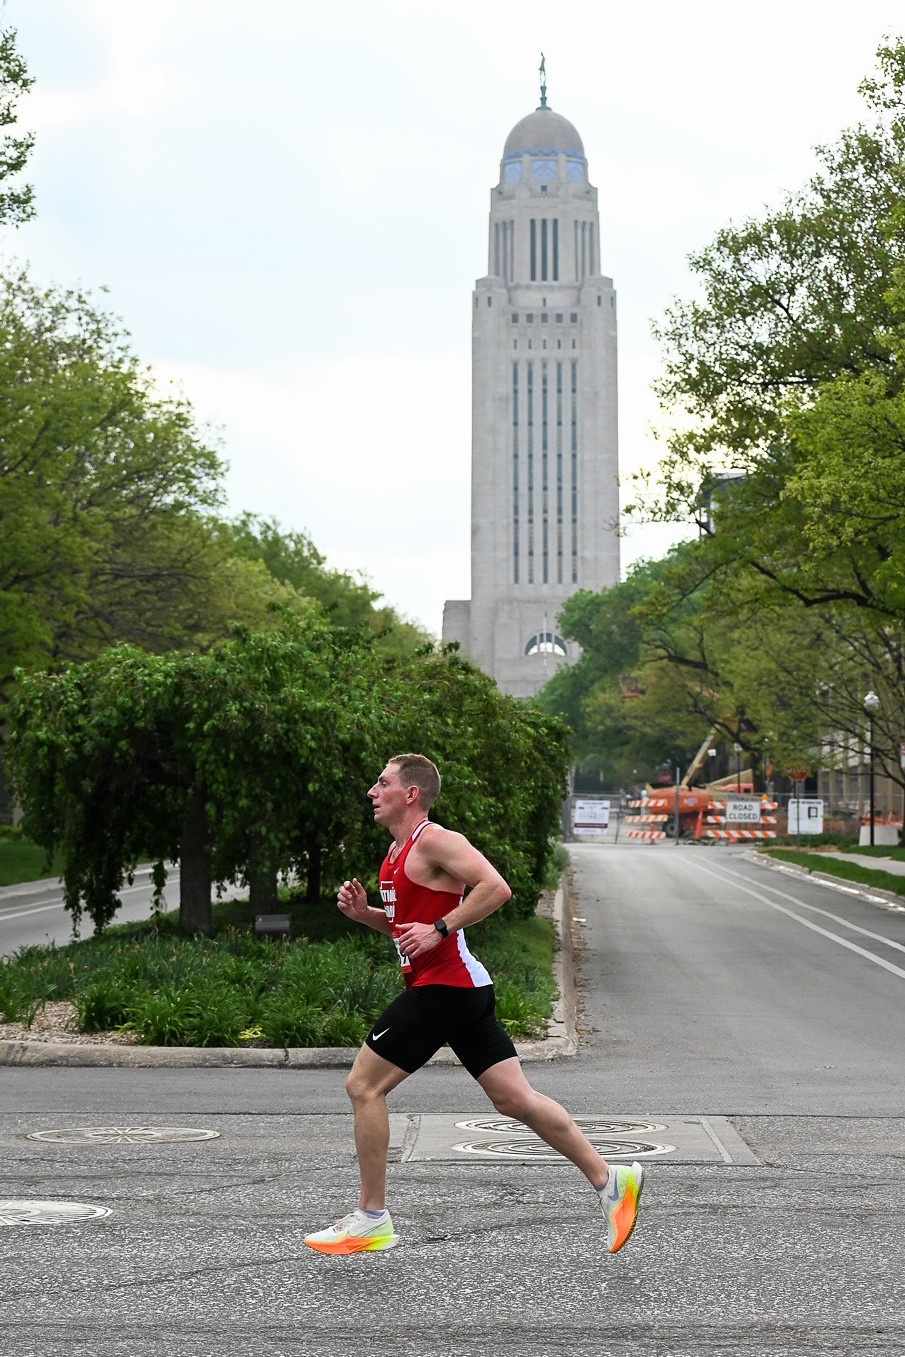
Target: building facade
<point x="544" y="492"/>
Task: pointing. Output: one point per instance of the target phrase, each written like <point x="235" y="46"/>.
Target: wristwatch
<point x="440" y="925"/>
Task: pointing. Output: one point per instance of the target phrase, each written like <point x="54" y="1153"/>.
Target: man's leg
<point x="370" y="1079"/>
<point x="511" y="1094"/>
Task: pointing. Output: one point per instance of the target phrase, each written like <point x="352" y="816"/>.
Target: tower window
<point x="573" y="317"/>
<point x="515" y="318"/>
<point x="546" y="643"/>
<point x="559" y="318"/>
<point x="529" y="317"/>
<point x="544" y="317"/>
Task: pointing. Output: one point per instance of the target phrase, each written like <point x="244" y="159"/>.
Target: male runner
<point x="448" y="999"/>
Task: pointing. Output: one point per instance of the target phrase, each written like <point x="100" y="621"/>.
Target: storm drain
<point x="48" y="1213"/>
<point x="613" y="1139"/>
<point x="123" y="1135"/>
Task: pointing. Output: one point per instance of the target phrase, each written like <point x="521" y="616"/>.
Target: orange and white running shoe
<point x="355" y="1233"/>
<point x="619" y="1198"/>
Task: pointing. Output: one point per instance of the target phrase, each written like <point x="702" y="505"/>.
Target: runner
<point x="448" y="1000"/>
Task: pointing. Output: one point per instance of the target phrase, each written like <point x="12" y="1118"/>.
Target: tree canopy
<point x="255" y="758"/>
<point x="783" y="386"/>
<point x="16" y="198"/>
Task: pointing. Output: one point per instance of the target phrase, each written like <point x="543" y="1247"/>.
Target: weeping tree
<point x="226" y="762"/>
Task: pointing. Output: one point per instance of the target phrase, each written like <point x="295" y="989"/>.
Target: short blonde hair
<point x="417" y="770"/>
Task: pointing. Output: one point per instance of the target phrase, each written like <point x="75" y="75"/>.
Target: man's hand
<point x="416" y="939"/>
<point x="352" y="899"/>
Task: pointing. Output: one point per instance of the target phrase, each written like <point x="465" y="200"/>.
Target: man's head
<point x="414" y="770"/>
<point x="407" y="785"/>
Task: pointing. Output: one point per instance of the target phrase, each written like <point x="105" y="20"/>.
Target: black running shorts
<point x="422" y="1019"/>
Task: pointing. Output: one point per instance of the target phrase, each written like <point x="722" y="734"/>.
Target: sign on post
<point x="590" y="817"/>
<point x="743" y="810"/>
<point x="805" y="815"/>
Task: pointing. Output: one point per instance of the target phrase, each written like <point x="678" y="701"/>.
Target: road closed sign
<point x="743" y="810"/>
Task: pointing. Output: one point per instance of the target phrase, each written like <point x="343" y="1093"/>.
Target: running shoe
<point x="619" y="1198"/>
<point x="355" y="1233"/>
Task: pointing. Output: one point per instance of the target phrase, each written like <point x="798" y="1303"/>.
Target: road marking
<point x="26" y="913"/>
<point x="806" y="923"/>
<point x="39" y="909"/>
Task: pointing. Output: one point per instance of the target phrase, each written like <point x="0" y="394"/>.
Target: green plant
<point x="104" y="1006"/>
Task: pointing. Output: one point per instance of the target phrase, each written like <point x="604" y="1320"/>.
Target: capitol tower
<point x="544" y="493"/>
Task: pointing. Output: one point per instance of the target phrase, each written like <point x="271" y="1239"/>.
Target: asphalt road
<point x="31" y="915"/>
<point x="758" y="1014"/>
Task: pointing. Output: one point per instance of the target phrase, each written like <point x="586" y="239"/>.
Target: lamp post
<point x="738" y="766"/>
<point x="871" y="706"/>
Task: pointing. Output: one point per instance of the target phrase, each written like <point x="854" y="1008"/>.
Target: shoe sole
<point x="343" y="1247"/>
<point x="631" y="1229"/>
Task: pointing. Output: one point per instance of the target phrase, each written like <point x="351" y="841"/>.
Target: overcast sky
<point x="288" y="204"/>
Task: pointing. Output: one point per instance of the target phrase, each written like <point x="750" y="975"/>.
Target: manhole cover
<point x="592" y="1126"/>
<point x="528" y="1147"/>
<point x="48" y="1213"/>
<point x="123" y="1135"/>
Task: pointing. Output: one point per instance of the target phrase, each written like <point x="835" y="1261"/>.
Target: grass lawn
<point x="22" y="861"/>
<point x="823" y="860"/>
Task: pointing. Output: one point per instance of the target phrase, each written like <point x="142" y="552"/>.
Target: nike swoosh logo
<point x="610" y="1196"/>
<point x="378" y="1035"/>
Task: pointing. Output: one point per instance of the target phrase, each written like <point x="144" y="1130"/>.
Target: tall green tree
<point x="107" y="490"/>
<point x="16" y="198"/>
<point x="786" y="372"/>
<point x="293" y="560"/>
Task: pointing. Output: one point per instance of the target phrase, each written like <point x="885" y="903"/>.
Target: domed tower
<point x="545" y="501"/>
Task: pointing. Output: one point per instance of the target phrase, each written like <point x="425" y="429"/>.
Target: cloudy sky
<point x="288" y="205"/>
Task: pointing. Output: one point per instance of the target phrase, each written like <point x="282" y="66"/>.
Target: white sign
<point x="590" y="817"/>
<point x="805" y="815"/>
<point x="743" y="810"/>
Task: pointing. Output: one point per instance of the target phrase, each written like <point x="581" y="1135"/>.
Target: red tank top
<point x="405" y="902"/>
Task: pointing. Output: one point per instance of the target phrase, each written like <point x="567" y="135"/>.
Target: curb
<point x="560" y="1041"/>
<point x="875" y="894"/>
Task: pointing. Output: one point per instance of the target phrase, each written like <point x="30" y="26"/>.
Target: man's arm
<point x="453" y="855"/>
<point x="352" y="900"/>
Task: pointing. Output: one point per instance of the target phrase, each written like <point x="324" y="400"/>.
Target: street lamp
<point x="871" y="706"/>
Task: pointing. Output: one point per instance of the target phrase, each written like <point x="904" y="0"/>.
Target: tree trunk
<point x="262" y="883"/>
<point x="313" y="889"/>
<point x="195" y="883"/>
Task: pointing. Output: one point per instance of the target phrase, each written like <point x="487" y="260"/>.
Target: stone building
<point x="544" y="491"/>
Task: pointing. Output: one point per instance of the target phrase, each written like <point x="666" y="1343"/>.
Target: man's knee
<point x="511" y="1096"/>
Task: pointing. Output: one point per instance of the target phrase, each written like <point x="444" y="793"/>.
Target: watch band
<point x="441" y="927"/>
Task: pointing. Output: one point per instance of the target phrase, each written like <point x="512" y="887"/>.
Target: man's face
<point x="389" y="797"/>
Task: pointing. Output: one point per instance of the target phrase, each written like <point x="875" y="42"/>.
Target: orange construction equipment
<point x="695" y="803"/>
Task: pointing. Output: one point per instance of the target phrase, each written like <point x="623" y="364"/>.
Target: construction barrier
<point x="716" y="829"/>
<point x="707" y="822"/>
<point x="645" y="818"/>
